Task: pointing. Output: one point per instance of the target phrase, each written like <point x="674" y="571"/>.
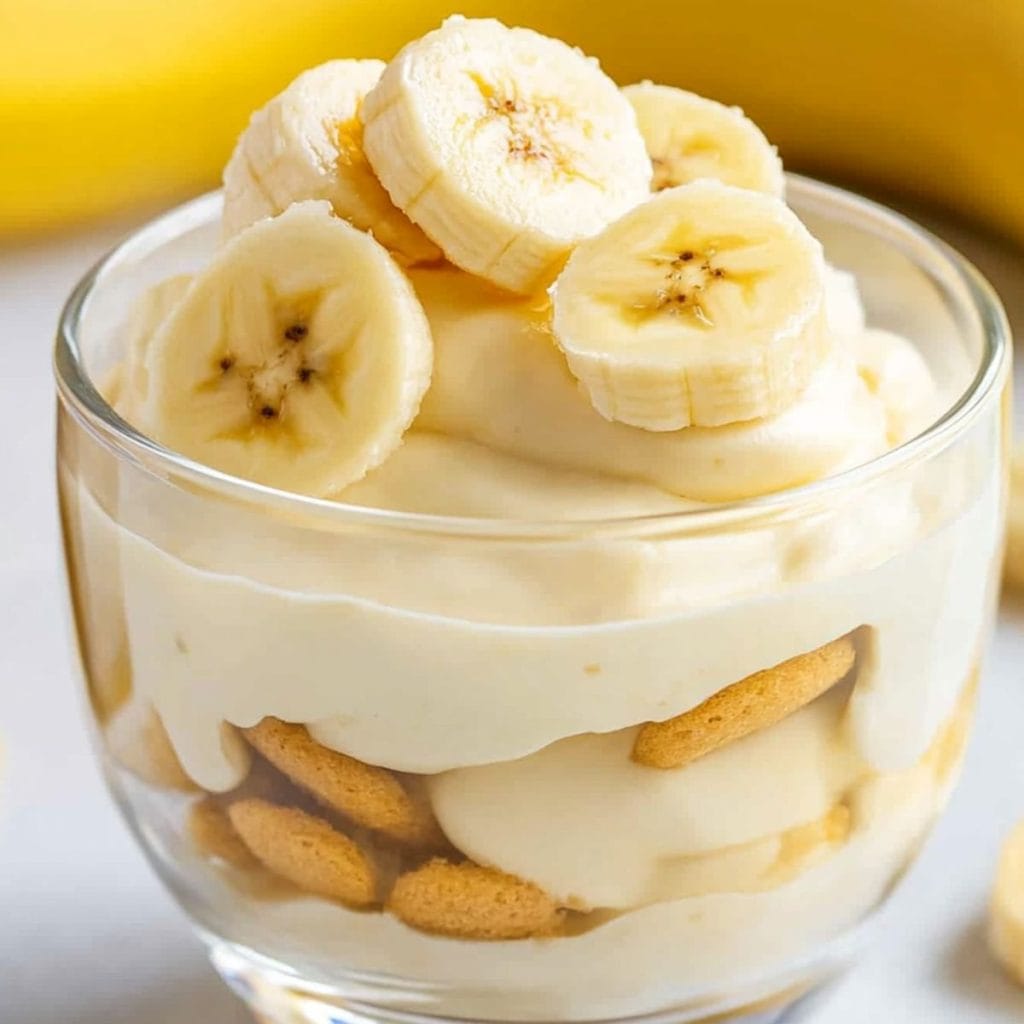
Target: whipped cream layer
<point x="500" y="380"/>
<point x="390" y="667"/>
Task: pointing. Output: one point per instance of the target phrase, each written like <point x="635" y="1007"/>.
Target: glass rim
<point x="81" y="396"/>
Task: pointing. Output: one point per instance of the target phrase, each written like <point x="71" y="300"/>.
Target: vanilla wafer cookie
<point x="468" y="901"/>
<point x="306" y="851"/>
<point x="754" y="703"/>
<point x="370" y="796"/>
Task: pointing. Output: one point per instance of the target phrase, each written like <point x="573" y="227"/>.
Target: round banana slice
<point x="703" y="306"/>
<point x="690" y="137"/>
<point x="306" y="143"/>
<point x="297" y="358"/>
<point x="505" y="146"/>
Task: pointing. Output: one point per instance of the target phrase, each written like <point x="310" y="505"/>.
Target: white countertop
<point x="87" y="936"/>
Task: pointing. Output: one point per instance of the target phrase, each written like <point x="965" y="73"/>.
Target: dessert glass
<point x="499" y="671"/>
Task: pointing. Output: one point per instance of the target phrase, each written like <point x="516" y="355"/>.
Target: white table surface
<point x="87" y="936"/>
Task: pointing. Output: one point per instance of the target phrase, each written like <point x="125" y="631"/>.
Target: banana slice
<point x="690" y="137"/>
<point x="505" y="146"/>
<point x="703" y="306"/>
<point x="306" y="143"/>
<point x="297" y="358"/>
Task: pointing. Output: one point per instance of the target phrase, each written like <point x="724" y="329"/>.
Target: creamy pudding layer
<point x="428" y="692"/>
<point x="527" y="643"/>
<point x="390" y="668"/>
<point x="499" y="380"/>
<point x="518" y="683"/>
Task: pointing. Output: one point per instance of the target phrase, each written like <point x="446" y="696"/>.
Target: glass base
<point x="276" y="998"/>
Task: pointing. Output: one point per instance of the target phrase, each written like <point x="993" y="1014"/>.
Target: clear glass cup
<point x="497" y="674"/>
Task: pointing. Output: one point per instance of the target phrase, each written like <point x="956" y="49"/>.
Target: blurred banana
<point x="119" y="101"/>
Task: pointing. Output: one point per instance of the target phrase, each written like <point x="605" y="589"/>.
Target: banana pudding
<point x="540" y="611"/>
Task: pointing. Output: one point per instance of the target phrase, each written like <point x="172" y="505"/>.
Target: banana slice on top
<point x="297" y="358"/>
<point x="690" y="137"/>
<point x="306" y="143"/>
<point x="703" y="306"/>
<point x="505" y="146"/>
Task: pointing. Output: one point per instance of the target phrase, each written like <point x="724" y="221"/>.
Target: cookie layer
<point x="369" y="796"/>
<point x="306" y="850"/>
<point x="754" y="703"/>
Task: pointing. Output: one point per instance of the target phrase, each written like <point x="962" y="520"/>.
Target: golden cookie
<point x="369" y="796"/>
<point x="753" y="703"/>
<point x="210" y="829"/>
<point x="306" y="850"/>
<point x="468" y="901"/>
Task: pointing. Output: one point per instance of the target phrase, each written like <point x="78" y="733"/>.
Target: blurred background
<point x="109" y="104"/>
<point x="113" y="109"/>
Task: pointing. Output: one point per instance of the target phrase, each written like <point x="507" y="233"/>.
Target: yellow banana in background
<point x="109" y="104"/>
